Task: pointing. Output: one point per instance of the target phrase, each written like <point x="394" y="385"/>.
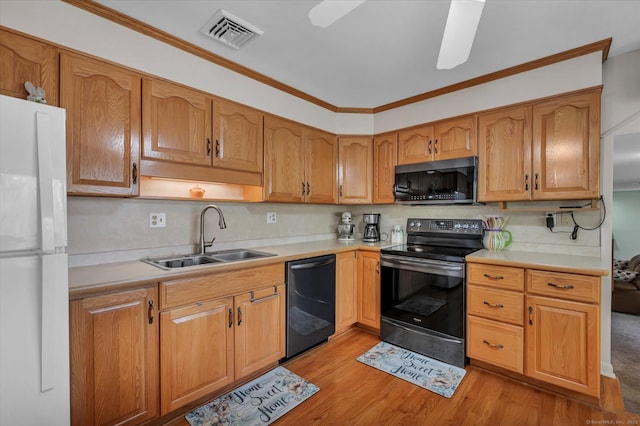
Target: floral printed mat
<point x="259" y="402"/>
<point x="415" y="368"/>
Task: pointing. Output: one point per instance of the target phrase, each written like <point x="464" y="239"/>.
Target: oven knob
<point x="465" y="225"/>
<point x="418" y="224"/>
<point x="411" y="225"/>
<point x="457" y="225"/>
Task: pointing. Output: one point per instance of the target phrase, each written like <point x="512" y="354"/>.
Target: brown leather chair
<point x="626" y="286"/>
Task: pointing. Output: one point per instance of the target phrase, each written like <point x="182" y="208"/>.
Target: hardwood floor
<point x="352" y="393"/>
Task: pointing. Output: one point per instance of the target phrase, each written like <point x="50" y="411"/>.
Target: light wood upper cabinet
<point x="321" y="158"/>
<point x="346" y="290"/>
<point x="300" y="163"/>
<point x="260" y="333"/>
<point x="284" y="178"/>
<point x="114" y="358"/>
<point x="545" y="151"/>
<point x="23" y="59"/>
<point x="355" y="169"/>
<point x="369" y="289"/>
<point x="191" y="369"/>
<point x="103" y="126"/>
<point x="237" y="134"/>
<point x="415" y="145"/>
<point x="566" y="151"/>
<point x="455" y="138"/>
<point x="504" y="144"/>
<point x="385" y="159"/>
<point x="176" y="123"/>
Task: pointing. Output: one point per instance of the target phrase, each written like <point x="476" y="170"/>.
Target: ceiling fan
<point x="459" y="32"/>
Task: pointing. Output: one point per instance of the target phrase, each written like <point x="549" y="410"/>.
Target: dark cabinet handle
<point x="493" y="345"/>
<point x="239" y="316"/>
<point x="217" y="148"/>
<point x="530" y="315"/>
<point x="526" y="182"/>
<point x="208" y="147"/>
<point x="378" y="268"/>
<point x="308" y="188"/>
<point x="536" y="182"/>
<point x="493" y="305"/>
<point x="429" y="146"/>
<point x="134" y="173"/>
<point x="341" y="190"/>
<point x="435" y="146"/>
<point x="230" y="317"/>
<point x="150" y="312"/>
<point x="494" y="277"/>
<point x="303" y="188"/>
<point x="562" y="287"/>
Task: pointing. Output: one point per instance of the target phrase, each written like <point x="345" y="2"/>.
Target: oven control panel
<point x="448" y="226"/>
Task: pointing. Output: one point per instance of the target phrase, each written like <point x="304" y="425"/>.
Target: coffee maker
<point x="371" y="227"/>
<point x="345" y="229"/>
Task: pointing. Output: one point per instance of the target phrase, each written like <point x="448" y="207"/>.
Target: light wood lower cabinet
<point x="549" y="332"/>
<point x="216" y="329"/>
<point x="369" y="289"/>
<point x="114" y="358"/>
<point x="346" y="290"/>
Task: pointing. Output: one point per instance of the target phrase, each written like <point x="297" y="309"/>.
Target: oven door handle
<point x="399" y="325"/>
<point x="423" y="265"/>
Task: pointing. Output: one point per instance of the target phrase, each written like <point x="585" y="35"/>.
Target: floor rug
<point x="415" y="368"/>
<point x="259" y="402"/>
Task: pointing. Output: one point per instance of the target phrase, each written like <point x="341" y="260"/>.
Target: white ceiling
<point x="386" y="50"/>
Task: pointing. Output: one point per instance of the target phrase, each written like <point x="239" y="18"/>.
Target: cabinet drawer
<point x="188" y="290"/>
<point x="495" y="343"/>
<point x="498" y="305"/>
<point x="496" y="276"/>
<point x="582" y="288"/>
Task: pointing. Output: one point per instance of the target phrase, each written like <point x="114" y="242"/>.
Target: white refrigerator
<point x="34" y="288"/>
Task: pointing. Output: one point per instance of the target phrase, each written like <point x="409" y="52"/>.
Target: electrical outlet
<point x="271" y="217"/>
<point x="566" y="220"/>
<point x="157" y="220"/>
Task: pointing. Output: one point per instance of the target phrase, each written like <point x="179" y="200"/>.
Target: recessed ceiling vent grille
<point x="230" y="29"/>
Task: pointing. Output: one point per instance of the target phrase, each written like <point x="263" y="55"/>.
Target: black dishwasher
<point x="311" y="302"/>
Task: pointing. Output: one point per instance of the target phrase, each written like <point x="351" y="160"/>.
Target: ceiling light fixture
<point x="327" y="12"/>
<point x="459" y="32"/>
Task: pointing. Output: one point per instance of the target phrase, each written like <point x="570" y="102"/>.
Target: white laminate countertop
<point x="109" y="277"/>
<point x="586" y="265"/>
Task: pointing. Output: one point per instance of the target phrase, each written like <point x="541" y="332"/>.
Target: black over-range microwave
<point x="438" y="182"/>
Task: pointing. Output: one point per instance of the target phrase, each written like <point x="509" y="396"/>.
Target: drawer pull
<point x="493" y="305"/>
<point x="150" y="312"/>
<point x="494" y="277"/>
<point x="239" y="316"/>
<point x="563" y="287"/>
<point x="230" y="317"/>
<point x="262" y="299"/>
<point x="493" y="345"/>
<point x="530" y="315"/>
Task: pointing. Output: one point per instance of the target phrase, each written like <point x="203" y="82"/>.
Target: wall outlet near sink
<point x="271" y="217"/>
<point x="157" y="220"/>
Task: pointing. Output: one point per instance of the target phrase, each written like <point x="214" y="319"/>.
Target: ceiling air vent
<point x="230" y="29"/>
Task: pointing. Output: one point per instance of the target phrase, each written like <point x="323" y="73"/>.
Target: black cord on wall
<point x="574" y="233"/>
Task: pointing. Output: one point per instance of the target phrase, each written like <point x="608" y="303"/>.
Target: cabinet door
<point x="196" y="351"/>
<point x="283" y="161"/>
<point x="176" y="123"/>
<point x="260" y="329"/>
<point x="415" y="145"/>
<point x="114" y="359"/>
<point x="385" y="159"/>
<point x="103" y="126"/>
<point x="23" y="59"/>
<point x="355" y="169"/>
<point x="504" y="155"/>
<point x="369" y="289"/>
<point x="321" y="158"/>
<point x="563" y="341"/>
<point x="237" y="134"/>
<point x="455" y="138"/>
<point x="566" y="147"/>
<point x="346" y="290"/>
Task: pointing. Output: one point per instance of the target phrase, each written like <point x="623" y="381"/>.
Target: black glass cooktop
<point x="450" y="254"/>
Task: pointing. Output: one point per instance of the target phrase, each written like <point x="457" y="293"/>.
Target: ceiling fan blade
<point x="327" y="12"/>
<point x="459" y="32"/>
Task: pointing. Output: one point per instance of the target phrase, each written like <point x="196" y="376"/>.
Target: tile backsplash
<point x="103" y="230"/>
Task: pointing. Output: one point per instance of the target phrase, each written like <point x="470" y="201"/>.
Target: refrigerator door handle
<point x="45" y="181"/>
<point x="53" y="274"/>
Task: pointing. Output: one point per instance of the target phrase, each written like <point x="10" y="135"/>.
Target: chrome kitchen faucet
<point x="221" y="224"/>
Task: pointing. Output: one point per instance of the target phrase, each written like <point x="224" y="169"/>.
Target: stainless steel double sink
<point x="173" y="262"/>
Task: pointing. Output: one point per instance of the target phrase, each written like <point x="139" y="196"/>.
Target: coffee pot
<point x="371" y="228"/>
<point x="345" y="229"/>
